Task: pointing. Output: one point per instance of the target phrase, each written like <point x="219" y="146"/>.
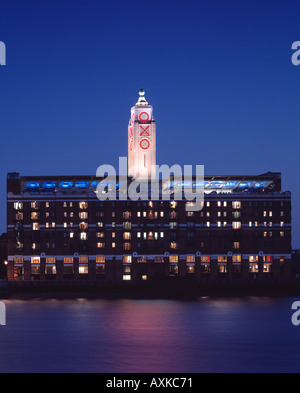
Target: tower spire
<point x="142" y="100"/>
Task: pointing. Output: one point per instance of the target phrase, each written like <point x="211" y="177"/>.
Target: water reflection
<point x="208" y="335"/>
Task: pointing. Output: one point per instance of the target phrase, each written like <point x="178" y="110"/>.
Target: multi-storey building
<point x="59" y="229"/>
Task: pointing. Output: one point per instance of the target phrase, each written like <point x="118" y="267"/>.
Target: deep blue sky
<point x="218" y="73"/>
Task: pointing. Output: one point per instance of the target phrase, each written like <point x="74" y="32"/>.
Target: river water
<point x="132" y="336"/>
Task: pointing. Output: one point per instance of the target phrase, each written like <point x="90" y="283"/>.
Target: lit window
<point x="236" y="258"/>
<point x="35" y="260"/>
<point x="236" y="225"/>
<point x="144" y="277"/>
<point x="47" y="224"/>
<point x="50" y="260"/>
<point x="282" y="234"/>
<point x="190" y="258"/>
<point x="208" y="224"/>
<point x="270" y="214"/>
<point x="113" y="234"/>
<point x="236" y="245"/>
<point x="113" y="245"/>
<point x="68" y="260"/>
<point x="65" y="225"/>
<point x="35" y="205"/>
<point x="100" y="245"/>
<point x="83" y="269"/>
<point x="236" y="204"/>
<point x="127" y="246"/>
<point x="83" y="205"/>
<point x="250" y="223"/>
<point x="219" y="203"/>
<point x="35" y="216"/>
<point x="84" y="260"/>
<point x="225" y="204"/>
<point x="207" y="204"/>
<point x="126" y="235"/>
<point x="100" y="259"/>
<point x="71" y="235"/>
<point x="83" y="215"/>
<point x="19" y="216"/>
<point x="35" y="226"/>
<point x="138" y="234"/>
<point x="161" y="234"/>
<point x="265" y="214"/>
<point x="126" y="277"/>
<point x="83" y="236"/>
<point x="127" y="259"/>
<point x="100" y="234"/>
<point x="138" y="214"/>
<point x="281" y="223"/>
<point x="161" y="214"/>
<point x="18" y="205"/>
<point x="173" y="204"/>
<point x="83" y="226"/>
<point x="219" y="224"/>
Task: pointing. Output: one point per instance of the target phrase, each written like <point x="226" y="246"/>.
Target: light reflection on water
<point x="208" y="335"/>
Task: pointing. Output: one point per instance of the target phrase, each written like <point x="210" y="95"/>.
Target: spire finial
<point x="142" y="100"/>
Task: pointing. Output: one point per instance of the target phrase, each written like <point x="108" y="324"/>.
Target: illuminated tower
<point x="141" y="140"/>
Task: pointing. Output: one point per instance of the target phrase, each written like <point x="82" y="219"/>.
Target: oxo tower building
<point x="141" y="140"/>
<point x="60" y="232"/>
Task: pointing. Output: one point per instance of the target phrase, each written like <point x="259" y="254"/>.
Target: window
<point x="190" y="259"/>
<point x="71" y="235"/>
<point x="142" y="260"/>
<point x="113" y="245"/>
<point x="205" y="259"/>
<point x="158" y="259"/>
<point x="100" y="259"/>
<point x="126" y="277"/>
<point x="83" y="205"/>
<point x="83" y="215"/>
<point x="236" y="225"/>
<point x="127" y="215"/>
<point x="35" y="226"/>
<point x="100" y="245"/>
<point x="35" y="216"/>
<point x="18" y="206"/>
<point x="173" y="245"/>
<point x="35" y="260"/>
<point x="173" y="225"/>
<point x="236" y="258"/>
<point x="127" y="259"/>
<point x="219" y="203"/>
<point x="126" y="235"/>
<point x="100" y="234"/>
<point x="236" y="245"/>
<point x="35" y="205"/>
<point x="281" y="234"/>
<point x="84" y="260"/>
<point x="83" y="236"/>
<point x="83" y="269"/>
<point x="83" y="226"/>
<point x="127" y="246"/>
<point x="126" y="225"/>
<point x="68" y="260"/>
<point x="173" y="258"/>
<point x="236" y="204"/>
<point x="19" y="216"/>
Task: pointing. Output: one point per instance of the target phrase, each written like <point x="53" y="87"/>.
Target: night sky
<point x="218" y="73"/>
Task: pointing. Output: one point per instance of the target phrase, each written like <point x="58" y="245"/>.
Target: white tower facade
<point x="142" y="140"/>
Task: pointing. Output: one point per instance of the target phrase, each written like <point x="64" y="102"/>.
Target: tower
<point x="141" y="140"/>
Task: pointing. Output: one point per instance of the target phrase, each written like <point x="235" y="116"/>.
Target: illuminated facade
<point x="141" y="140"/>
<point x="58" y="229"/>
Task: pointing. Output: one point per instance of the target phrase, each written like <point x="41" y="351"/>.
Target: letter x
<point x="144" y="130"/>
